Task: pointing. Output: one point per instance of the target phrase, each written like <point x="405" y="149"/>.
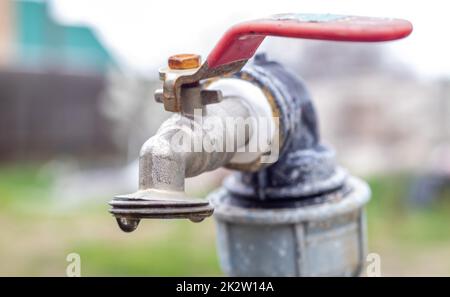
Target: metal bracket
<point x="174" y="80"/>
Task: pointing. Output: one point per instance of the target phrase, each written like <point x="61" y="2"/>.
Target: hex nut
<point x="184" y="61"/>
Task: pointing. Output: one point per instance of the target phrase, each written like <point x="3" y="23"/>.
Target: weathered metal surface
<point x="305" y="167"/>
<point x="130" y="209"/>
<point x="326" y="239"/>
<point x="173" y="81"/>
<point x="157" y="204"/>
<point x="301" y="216"/>
<point x="164" y="167"/>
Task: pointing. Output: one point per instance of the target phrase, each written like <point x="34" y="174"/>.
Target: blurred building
<point x="33" y="38"/>
<point x="5" y="31"/>
<point x="52" y="78"/>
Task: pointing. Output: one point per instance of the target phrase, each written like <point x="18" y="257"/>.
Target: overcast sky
<point x="142" y="34"/>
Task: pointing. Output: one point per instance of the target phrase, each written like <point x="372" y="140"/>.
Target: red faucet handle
<point x="241" y="41"/>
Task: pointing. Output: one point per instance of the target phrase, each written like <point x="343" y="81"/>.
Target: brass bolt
<point x="184" y="61"/>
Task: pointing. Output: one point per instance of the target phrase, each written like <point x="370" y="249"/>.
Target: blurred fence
<point x="43" y="114"/>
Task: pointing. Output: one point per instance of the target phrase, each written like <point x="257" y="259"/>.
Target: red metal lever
<point x="241" y="41"/>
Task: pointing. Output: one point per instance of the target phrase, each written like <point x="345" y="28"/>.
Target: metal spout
<point x="177" y="152"/>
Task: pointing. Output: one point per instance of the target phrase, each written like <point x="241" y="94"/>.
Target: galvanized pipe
<point x="301" y="216"/>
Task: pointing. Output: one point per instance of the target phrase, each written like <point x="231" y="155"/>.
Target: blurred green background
<point x="38" y="233"/>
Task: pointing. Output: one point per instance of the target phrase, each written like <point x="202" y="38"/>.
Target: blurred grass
<point x="22" y="183"/>
<point x="36" y="237"/>
<point x="179" y="252"/>
<point x="390" y="212"/>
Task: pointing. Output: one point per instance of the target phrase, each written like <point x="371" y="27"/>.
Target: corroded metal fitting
<point x="184" y="61"/>
<point x="182" y="84"/>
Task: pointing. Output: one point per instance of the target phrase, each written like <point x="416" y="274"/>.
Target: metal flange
<point x="130" y="210"/>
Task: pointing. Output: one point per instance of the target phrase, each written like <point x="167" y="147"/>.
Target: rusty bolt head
<point x="184" y="61"/>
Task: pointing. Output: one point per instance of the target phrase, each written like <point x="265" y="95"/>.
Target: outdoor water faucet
<point x="280" y="160"/>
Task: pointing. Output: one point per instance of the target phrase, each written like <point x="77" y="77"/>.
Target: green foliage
<point x="21" y="184"/>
